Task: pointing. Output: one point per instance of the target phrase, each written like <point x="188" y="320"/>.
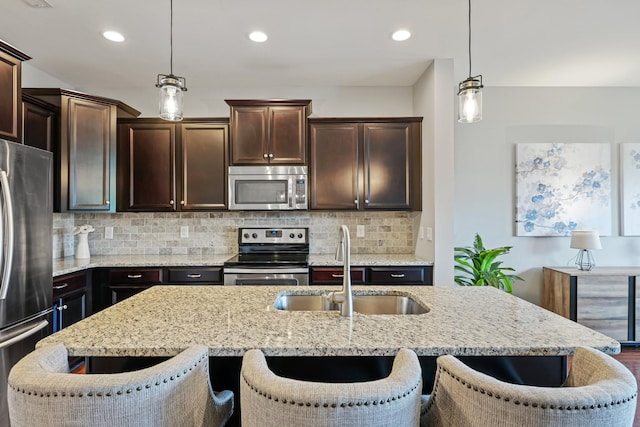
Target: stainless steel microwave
<point x="268" y="188"/>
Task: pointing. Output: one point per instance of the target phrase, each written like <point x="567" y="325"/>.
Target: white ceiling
<point x="328" y="42"/>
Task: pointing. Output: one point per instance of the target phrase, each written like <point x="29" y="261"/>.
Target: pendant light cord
<point x="171" y="39"/>
<point x="469" y="38"/>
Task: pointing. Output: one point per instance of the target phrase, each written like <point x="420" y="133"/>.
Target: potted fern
<point x="479" y="267"/>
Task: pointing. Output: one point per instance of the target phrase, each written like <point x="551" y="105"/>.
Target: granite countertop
<point x="476" y="321"/>
<point x="69" y="265"/>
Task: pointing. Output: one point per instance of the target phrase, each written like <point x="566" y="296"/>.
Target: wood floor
<point x="630" y="357"/>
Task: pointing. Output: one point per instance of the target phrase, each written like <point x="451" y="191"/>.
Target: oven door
<point x="266" y="276"/>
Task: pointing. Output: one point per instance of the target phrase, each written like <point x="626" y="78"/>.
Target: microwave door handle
<point x="291" y="192"/>
<point x="6" y="217"/>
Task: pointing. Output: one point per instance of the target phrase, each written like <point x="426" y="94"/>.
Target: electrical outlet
<point x="429" y="234"/>
<point x="360" y="231"/>
<point x="184" y="231"/>
<point x="108" y="232"/>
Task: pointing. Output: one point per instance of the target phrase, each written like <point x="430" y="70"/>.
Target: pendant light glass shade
<point x="470" y="100"/>
<point x="470" y="92"/>
<point x="171" y="88"/>
<point x="171" y="97"/>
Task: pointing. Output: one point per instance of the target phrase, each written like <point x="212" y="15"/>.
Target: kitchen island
<point x="229" y="320"/>
<point x="497" y="333"/>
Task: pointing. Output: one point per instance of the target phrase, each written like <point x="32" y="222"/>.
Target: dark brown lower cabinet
<point x="70" y="305"/>
<point x="384" y="275"/>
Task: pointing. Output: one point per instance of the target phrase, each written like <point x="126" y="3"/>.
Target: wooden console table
<point x="605" y="299"/>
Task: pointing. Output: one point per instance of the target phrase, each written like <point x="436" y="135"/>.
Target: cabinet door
<point x="334" y="166"/>
<point x="203" y="153"/>
<point x="602" y="303"/>
<point x="38" y="126"/>
<point x="69" y="310"/>
<point x="249" y="135"/>
<point x="69" y="299"/>
<point x="10" y="103"/>
<point x="387" y="166"/>
<point x="287" y="135"/>
<point x="146" y="167"/>
<point x="88" y="153"/>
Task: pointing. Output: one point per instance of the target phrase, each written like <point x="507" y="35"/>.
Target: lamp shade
<point x="585" y="239"/>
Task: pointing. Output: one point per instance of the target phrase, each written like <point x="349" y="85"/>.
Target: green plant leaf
<point x="478" y="266"/>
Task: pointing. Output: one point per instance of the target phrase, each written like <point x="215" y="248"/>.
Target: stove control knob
<point x="299" y="235"/>
<point x="292" y="235"/>
<point x="254" y="235"/>
<point x="246" y="235"/>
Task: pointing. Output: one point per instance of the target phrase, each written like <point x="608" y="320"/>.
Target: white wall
<point x="485" y="170"/>
<point x="33" y="77"/>
<point x="433" y="100"/>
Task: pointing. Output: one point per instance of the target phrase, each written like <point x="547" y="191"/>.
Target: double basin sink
<point x="395" y="303"/>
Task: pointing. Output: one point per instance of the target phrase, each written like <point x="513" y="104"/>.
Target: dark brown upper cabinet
<point x="164" y="166"/>
<point x="269" y="131"/>
<point x="39" y="123"/>
<point x="86" y="152"/>
<point x="365" y="164"/>
<point x="10" y="92"/>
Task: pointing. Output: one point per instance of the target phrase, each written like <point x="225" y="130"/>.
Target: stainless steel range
<point x="269" y="256"/>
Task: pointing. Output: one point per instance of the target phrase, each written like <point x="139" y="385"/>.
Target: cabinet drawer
<point x="330" y="275"/>
<point x="148" y="275"/>
<point x="396" y="275"/>
<point x="189" y="275"/>
<point x="64" y="285"/>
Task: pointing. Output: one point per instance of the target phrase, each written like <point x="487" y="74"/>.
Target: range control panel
<point x="273" y="235"/>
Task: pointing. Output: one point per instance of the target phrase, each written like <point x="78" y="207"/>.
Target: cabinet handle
<point x="64" y="285"/>
<point x="107" y="202"/>
<point x="265" y="155"/>
<point x="271" y="155"/>
<point x="366" y="201"/>
<point x="134" y="276"/>
<point x="194" y="275"/>
<point x="397" y="276"/>
<point x="337" y="276"/>
<point x="182" y="202"/>
<point x="62" y="307"/>
<point x="171" y="202"/>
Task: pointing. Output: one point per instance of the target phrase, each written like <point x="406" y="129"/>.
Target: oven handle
<point x="266" y="270"/>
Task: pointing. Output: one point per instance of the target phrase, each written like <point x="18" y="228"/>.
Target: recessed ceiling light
<point x="39" y="4"/>
<point x="114" y="36"/>
<point x="401" y="35"/>
<point x="258" y="36"/>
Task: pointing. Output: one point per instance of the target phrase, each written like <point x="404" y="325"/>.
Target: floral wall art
<point x="562" y="187"/>
<point x="630" y="164"/>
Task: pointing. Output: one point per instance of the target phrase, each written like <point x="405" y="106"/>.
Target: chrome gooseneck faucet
<point x="343" y="253"/>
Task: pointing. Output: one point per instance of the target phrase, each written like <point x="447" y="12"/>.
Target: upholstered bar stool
<point x="176" y="392"/>
<point x="599" y="391"/>
<point x="269" y="400"/>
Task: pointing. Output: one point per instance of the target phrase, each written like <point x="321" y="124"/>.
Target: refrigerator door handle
<point x="6" y="233"/>
<point x="22" y="335"/>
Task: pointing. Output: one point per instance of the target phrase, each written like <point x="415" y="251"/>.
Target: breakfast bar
<point x="163" y="320"/>
<point x="500" y="334"/>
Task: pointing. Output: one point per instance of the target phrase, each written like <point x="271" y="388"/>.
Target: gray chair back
<point x="176" y="392"/>
<point x="599" y="391"/>
<point x="269" y="400"/>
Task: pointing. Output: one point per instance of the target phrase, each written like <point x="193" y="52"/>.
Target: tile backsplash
<point x="153" y="233"/>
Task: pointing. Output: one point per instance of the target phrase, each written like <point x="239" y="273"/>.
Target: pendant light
<point x="171" y="87"/>
<point x="470" y="92"/>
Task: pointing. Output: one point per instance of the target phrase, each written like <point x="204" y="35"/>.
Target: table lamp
<point x="585" y="240"/>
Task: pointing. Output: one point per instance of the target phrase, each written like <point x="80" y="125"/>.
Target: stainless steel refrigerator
<point x="25" y="255"/>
